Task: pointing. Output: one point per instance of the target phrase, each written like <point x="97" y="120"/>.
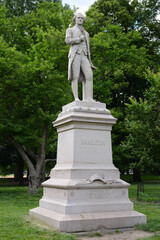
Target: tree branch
<point x="22" y="154"/>
<point x="105" y="75"/>
<point x="50" y="160"/>
<point x="31" y="154"/>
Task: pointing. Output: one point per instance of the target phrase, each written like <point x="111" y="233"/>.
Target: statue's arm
<point x="70" y="40"/>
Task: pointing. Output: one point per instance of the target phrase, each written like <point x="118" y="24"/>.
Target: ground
<point x="127" y="235"/>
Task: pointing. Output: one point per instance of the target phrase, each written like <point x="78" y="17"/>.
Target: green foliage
<point x="125" y="40"/>
<point x="116" y="12"/>
<point x="130" y="15"/>
<point x="143" y="123"/>
<point x="18" y="8"/>
<point x="115" y="54"/>
<point x="33" y="72"/>
<point x="123" y="65"/>
<point x="8" y="159"/>
<point x="33" y="66"/>
<point x="34" y="86"/>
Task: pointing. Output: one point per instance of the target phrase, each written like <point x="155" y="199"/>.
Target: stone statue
<point x="80" y="65"/>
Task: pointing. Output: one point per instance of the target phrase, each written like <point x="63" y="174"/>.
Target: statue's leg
<point x="88" y="83"/>
<point x="89" y="89"/>
<point x="75" y="74"/>
<point x="75" y="89"/>
<point x="84" y="91"/>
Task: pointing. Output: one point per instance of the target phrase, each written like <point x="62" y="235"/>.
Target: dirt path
<point x="128" y="235"/>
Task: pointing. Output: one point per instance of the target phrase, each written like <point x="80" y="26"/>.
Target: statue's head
<point x="79" y="18"/>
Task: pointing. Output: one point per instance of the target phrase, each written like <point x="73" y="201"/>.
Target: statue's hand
<point x="82" y="38"/>
<point x="93" y="67"/>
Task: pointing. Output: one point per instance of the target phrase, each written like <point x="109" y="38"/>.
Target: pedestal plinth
<point x="85" y="192"/>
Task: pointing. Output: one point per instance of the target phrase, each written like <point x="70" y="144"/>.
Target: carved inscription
<point x="93" y="142"/>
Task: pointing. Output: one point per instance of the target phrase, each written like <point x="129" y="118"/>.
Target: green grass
<point x="150" y="208"/>
<point x="156" y="236"/>
<point x="15" y="223"/>
<point x="129" y="177"/>
<point x="151" y="192"/>
<point x="6" y="180"/>
<point x="150" y="177"/>
<point x="96" y="234"/>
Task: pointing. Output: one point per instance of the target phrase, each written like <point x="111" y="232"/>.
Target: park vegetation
<point x="125" y="48"/>
<point x="15" y="202"/>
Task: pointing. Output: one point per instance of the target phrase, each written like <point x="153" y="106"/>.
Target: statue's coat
<point x="73" y="39"/>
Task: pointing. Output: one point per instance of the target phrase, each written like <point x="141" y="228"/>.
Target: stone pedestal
<point x="85" y="192"/>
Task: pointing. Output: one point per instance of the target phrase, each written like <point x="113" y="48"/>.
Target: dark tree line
<point x="125" y="43"/>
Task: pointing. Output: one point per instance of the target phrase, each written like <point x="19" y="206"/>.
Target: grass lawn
<point x="149" y="204"/>
<point x="129" y="177"/>
<point x="15" y="204"/>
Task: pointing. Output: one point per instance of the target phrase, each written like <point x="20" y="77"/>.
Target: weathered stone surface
<point x="88" y="222"/>
<point x="85" y="192"/>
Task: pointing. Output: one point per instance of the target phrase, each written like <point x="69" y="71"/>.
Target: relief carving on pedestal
<point x="99" y="177"/>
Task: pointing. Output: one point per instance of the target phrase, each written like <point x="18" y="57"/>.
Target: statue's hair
<point x="74" y="19"/>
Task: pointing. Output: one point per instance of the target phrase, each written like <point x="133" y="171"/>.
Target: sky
<point x="83" y="5"/>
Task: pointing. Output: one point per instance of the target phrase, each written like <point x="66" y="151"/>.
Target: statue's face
<point x="79" y="19"/>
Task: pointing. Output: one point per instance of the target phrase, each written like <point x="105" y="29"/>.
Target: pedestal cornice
<point x="79" y="112"/>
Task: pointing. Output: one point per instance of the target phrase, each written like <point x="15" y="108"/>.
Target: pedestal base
<point x="85" y="192"/>
<point x="85" y="206"/>
<point x="88" y="222"/>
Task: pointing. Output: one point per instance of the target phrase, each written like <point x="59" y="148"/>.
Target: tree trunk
<point x="43" y="174"/>
<point x="33" y="184"/>
<point x="136" y="175"/>
<point x="40" y="166"/>
<point x="32" y="179"/>
<point x="18" y="171"/>
<point x="36" y="174"/>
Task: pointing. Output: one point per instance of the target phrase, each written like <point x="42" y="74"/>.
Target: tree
<point x="121" y="73"/>
<point x="128" y="29"/>
<point x="6" y="159"/>
<point x="18" y="8"/>
<point x="122" y="52"/>
<point x="143" y="123"/>
<point x="34" y="83"/>
<point x="9" y="60"/>
<point x="116" y="12"/>
<point x="140" y="16"/>
<point x="10" y="162"/>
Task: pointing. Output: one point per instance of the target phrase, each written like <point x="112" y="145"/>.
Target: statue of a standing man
<point x="80" y="65"/>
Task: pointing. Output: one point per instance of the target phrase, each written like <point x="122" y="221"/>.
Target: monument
<point x="80" y="65"/>
<point x="85" y="192"/>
